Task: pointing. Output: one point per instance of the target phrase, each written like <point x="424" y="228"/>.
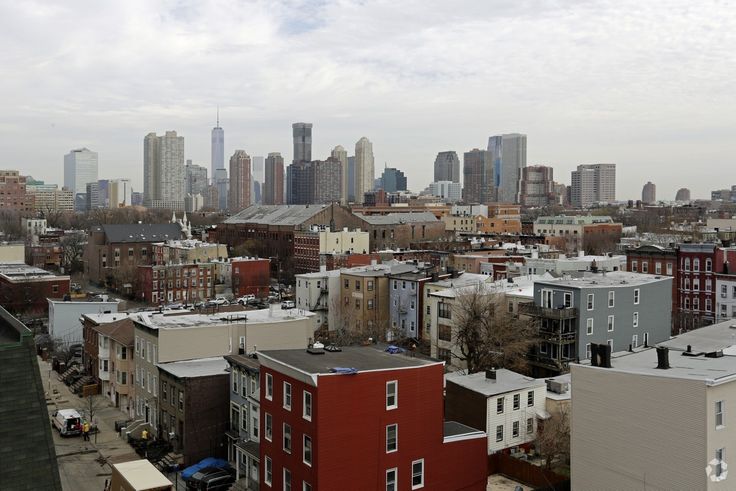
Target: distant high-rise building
<point x="273" y="188"/>
<point x="119" y="193"/>
<point x="537" y="186"/>
<point x="164" y="183"/>
<point x="258" y="175"/>
<point x="211" y="198"/>
<point x="562" y="194"/>
<point x="302" y="134"/>
<point x="80" y="168"/>
<point x="239" y="196"/>
<point x="683" y="194"/>
<point x="451" y="192"/>
<point x="351" y="179"/>
<point x="593" y="183"/>
<point x="393" y="180"/>
<point x="218" y="147"/>
<point x="196" y="178"/>
<point x="478" y="177"/>
<point x="326" y="181"/>
<point x="649" y="193"/>
<point x="14" y="194"/>
<point x="447" y="167"/>
<point x="341" y="155"/>
<point x="364" y="168"/>
<point x="223" y="188"/>
<point x="508" y="154"/>
<point x="298" y="187"/>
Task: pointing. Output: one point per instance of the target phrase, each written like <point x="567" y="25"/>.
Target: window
<point x="720" y="454"/>
<point x="708" y="305"/>
<point x="307" y="450"/>
<point x="530" y="398"/>
<point x="611" y="297"/>
<point x="396" y="284"/>
<point x="369" y="285"/>
<point x="391" y="479"/>
<point x="547" y="299"/>
<point x="587" y="351"/>
<point x="696" y="284"/>
<point x="515" y="429"/>
<point x="644" y="267"/>
<point x="658" y="268"/>
<point x="181" y="400"/>
<point x="417" y="474"/>
<point x="392" y="443"/>
<point x="708" y="265"/>
<point x="306" y="486"/>
<point x="444" y="311"/>
<point x="634" y="266"/>
<point x="687" y="264"/>
<point x="269" y="386"/>
<point x="268" y="471"/>
<point x="268" y="424"/>
<point x="568" y="300"/>
<point x="589" y="326"/>
<point x="635" y="341"/>
<point x="529" y="426"/>
<point x="369" y="304"/>
<point x="307" y="405"/>
<point x="635" y="321"/>
<point x="357" y="285"/>
<point x="287" y="396"/>
<point x="244" y="418"/>
<point x="696" y="264"/>
<point x="347" y="284"/>
<point x="636" y="296"/>
<point x="669" y="269"/>
<point x="708" y="285"/>
<point x="499" y="405"/>
<point x="287" y="438"/>
<point x="720" y="406"/>
<point x="610" y="343"/>
<point x="445" y="332"/>
<point x="499" y="433"/>
<point x="392" y="389"/>
<point x="517" y="401"/>
<point x="234" y="377"/>
<point x="590" y="301"/>
<point x="610" y="323"/>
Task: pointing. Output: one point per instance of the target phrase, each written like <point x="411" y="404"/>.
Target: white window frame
<point x="268" y="471"/>
<point x="393" y="482"/>
<point x="515" y="430"/>
<point x="589" y="326"/>
<point x="304" y="450"/>
<point x="499" y="427"/>
<point x="268" y="427"/>
<point x="611" y="299"/>
<point x="720" y="459"/>
<point x="396" y="439"/>
<point x="720" y="414"/>
<point x="611" y="323"/>
<point x="635" y="320"/>
<point x="284" y="426"/>
<point x="269" y="387"/>
<point x="590" y="302"/>
<point x="390" y="394"/>
<point x="307" y="405"/>
<point x="420" y="474"/>
<point x="284" y="473"/>
<point x="285" y="394"/>
<point x="637" y="296"/>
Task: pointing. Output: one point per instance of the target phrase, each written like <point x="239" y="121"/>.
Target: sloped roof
<point x="398" y="218"/>
<point x="276" y="214"/>
<point x="121" y="331"/>
<point x="142" y="232"/>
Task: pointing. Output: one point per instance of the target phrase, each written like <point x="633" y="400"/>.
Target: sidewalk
<point x="84" y="465"/>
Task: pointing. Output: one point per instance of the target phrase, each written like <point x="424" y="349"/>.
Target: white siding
<point x="510" y="415"/>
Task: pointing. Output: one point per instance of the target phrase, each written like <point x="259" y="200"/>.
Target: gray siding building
<point x="242" y="434"/>
<point x="621" y="309"/>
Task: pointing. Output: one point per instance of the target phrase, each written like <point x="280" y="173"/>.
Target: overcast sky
<point x="649" y="86"/>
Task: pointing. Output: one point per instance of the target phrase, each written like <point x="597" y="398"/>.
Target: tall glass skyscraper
<point x="508" y="154"/>
<point x="80" y="168"/>
<point x="302" y="133"/>
<point x="218" y="148"/>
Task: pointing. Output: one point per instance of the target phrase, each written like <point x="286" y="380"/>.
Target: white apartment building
<point x="320" y="293"/>
<point x="343" y="241"/>
<point x="658" y="418"/>
<point x="507" y="404"/>
<point x="563" y="264"/>
<point x="593" y="183"/>
<point x="469" y="210"/>
<point x="164" y="174"/>
<point x="447" y="190"/>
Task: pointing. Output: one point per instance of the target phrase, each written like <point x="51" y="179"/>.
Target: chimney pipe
<point x="663" y="358"/>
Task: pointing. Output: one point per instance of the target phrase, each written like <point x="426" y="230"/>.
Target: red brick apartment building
<point x="251" y="275"/>
<point x="25" y="289"/>
<point x="379" y="426"/>
<point x="164" y="283"/>
<point x="652" y="259"/>
<point x="13" y="194"/>
<point x="696" y="286"/>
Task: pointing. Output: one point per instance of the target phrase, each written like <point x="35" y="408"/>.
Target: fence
<point x="525" y="472"/>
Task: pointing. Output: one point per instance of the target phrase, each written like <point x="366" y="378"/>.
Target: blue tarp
<point x="344" y="370"/>
<point x="394" y="349"/>
<point x="208" y="462"/>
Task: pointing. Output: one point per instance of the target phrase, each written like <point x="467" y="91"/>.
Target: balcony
<point x="557" y="337"/>
<point x="548" y="313"/>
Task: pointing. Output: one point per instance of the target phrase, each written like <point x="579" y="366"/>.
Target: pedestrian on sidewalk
<point x="85" y="431"/>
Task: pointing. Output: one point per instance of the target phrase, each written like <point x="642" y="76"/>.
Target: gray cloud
<point x="647" y="85"/>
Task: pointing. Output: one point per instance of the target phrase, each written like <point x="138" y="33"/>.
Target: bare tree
<point x="72" y="249"/>
<point x="487" y="335"/>
<point x="553" y="437"/>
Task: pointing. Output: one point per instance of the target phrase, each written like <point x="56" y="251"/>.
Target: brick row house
<point x="166" y="283"/>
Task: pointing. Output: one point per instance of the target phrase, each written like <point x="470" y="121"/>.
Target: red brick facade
<point x="251" y="276"/>
<point x="185" y="283"/>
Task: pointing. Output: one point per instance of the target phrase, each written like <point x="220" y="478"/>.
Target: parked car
<point x="246" y="299"/>
<point x="211" y="479"/>
<point x="218" y="301"/>
<point x="67" y="421"/>
<point x="288" y="304"/>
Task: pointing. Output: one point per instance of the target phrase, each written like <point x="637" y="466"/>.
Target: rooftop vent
<point x="663" y="358"/>
<point x="491" y="374"/>
<point x="557" y="387"/>
<point x="316" y="349"/>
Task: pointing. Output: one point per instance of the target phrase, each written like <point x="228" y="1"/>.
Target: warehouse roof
<point x="276" y="214"/>
<point x="398" y="218"/>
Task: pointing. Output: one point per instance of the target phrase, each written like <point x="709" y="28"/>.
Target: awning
<point x="250" y="447"/>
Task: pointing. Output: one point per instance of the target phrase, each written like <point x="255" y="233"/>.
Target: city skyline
<point x="603" y="74"/>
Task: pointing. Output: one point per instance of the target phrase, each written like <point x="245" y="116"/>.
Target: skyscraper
<point x="196" y="176"/>
<point x="119" y="193"/>
<point x="257" y="176"/>
<point x="508" y="154"/>
<point x="478" y="177"/>
<point x="298" y="186"/>
<point x="341" y="155"/>
<point x="593" y="183"/>
<point x="222" y="183"/>
<point x="447" y="167"/>
<point x="683" y="194"/>
<point x="239" y="196"/>
<point x="393" y="180"/>
<point x="164" y="183"/>
<point x="273" y="189"/>
<point x="218" y="147"/>
<point x="326" y="181"/>
<point x="649" y="193"/>
<point x="537" y="186"/>
<point x="302" y="133"/>
<point x="351" y="179"/>
<point x="364" y="170"/>
<point x="80" y="168"/>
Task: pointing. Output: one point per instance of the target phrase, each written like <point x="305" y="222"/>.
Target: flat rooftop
<point x="177" y="319"/>
<point x="465" y="279"/>
<point x="363" y="358"/>
<point x="710" y="339"/>
<point x="607" y="280"/>
<point x="453" y="428"/>
<point x="22" y="272"/>
<point x="200" y="367"/>
<point x="521" y="286"/>
<point x="506" y="381"/>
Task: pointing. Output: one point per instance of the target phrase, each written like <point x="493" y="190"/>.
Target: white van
<point x="67" y="421"/>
